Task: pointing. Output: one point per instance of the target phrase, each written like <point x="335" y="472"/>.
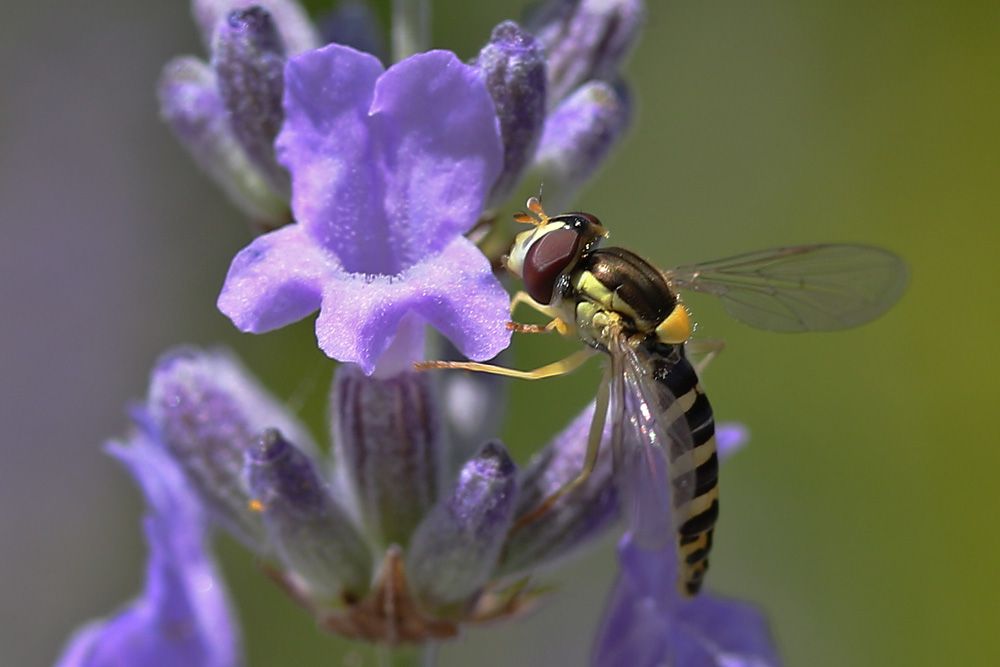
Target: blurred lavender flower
<point x="648" y="624"/>
<point x="386" y="543"/>
<point x="227" y="113"/>
<point x="372" y="553"/>
<point x="183" y="616"/>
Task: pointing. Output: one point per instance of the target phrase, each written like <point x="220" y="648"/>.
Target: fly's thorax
<point x="545" y="254"/>
<point x="614" y="280"/>
<point x="594" y="322"/>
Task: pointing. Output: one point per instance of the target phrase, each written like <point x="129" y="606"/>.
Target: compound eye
<point x="546" y="259"/>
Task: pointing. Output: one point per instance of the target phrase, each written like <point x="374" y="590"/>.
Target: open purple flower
<point x="183" y="616"/>
<point x="648" y="623"/>
<point x="389" y="170"/>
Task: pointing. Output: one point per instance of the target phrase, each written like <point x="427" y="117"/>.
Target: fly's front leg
<point x="555" y="324"/>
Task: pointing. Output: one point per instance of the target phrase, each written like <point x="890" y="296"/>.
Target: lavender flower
<point x="648" y="624"/>
<point x="366" y="195"/>
<point x="183" y="616"/>
<point x="389" y="169"/>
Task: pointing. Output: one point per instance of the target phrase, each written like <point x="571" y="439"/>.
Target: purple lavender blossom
<point x="389" y="169"/>
<point x="398" y="536"/>
<point x="183" y="615"/>
<point x="647" y="623"/>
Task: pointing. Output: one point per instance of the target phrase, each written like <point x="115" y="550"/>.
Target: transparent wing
<point x="801" y="288"/>
<point x="651" y="443"/>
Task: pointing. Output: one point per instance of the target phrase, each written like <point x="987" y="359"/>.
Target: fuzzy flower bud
<point x="456" y="546"/>
<point x="514" y="65"/>
<point x="249" y="60"/>
<point x="586" y="40"/>
<point x="297" y="30"/>
<point x="208" y="411"/>
<point x="579" y="134"/>
<point x="314" y="537"/>
<point x="191" y="105"/>
<point x="389" y="441"/>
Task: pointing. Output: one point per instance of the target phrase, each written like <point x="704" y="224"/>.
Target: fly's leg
<point x="707" y="348"/>
<point x="561" y="367"/>
<point x="589" y="461"/>
<point x="556" y="324"/>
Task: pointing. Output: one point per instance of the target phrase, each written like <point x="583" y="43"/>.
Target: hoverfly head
<point x="551" y="248"/>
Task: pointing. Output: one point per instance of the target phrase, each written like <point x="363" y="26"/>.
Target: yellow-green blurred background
<point x="862" y="516"/>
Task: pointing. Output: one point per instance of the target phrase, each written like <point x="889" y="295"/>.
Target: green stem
<point x="411" y="28"/>
<point x="424" y="655"/>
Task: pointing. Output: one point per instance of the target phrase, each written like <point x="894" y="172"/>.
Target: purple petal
<point x="183" y="616"/>
<point x="327" y="144"/>
<point x="388" y="170"/>
<point x="448" y="151"/>
<point x="387" y="167"/>
<point x="275" y="280"/>
<point x="648" y="624"/>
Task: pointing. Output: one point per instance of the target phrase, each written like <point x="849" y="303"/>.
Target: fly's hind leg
<point x="561" y="367"/>
<point x="594" y="438"/>
<point x="706" y="348"/>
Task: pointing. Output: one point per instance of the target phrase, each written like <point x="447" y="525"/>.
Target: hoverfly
<point x="662" y="427"/>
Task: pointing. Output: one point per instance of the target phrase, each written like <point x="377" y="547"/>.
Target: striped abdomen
<point x="698" y="514"/>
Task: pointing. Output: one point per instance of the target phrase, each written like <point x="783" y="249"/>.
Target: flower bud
<point x="578" y="136"/>
<point x="586" y="40"/>
<point x="455" y="548"/>
<point x="514" y="65"/>
<point x="389" y="447"/>
<point x="208" y="411"/>
<point x="297" y="30"/>
<point x="191" y="105"/>
<point x="313" y="535"/>
<point x="576" y="518"/>
<point x="249" y="59"/>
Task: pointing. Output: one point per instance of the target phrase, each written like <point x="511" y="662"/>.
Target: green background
<point x="862" y="515"/>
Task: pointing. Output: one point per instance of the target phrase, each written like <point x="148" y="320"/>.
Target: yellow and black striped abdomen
<point x="699" y="512"/>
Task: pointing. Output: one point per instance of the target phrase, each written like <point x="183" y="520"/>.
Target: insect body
<point x="663" y="431"/>
<point x="662" y="428"/>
